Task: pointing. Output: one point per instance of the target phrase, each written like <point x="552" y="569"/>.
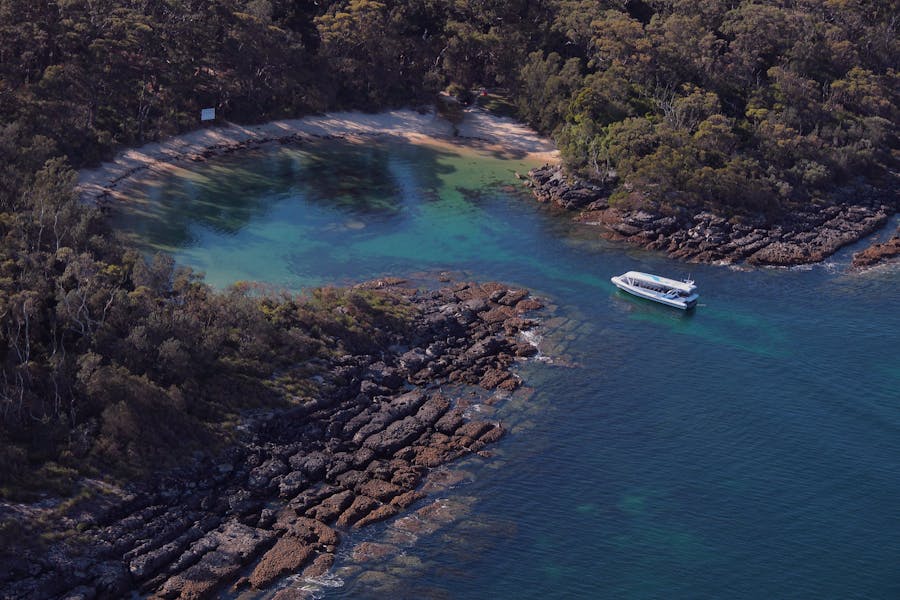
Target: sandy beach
<point x="479" y="129"/>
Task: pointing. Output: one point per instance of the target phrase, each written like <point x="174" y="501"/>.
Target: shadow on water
<point x="224" y="195"/>
<point x="647" y="310"/>
<point x="364" y="178"/>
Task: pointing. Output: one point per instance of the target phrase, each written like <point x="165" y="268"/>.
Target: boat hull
<point x="677" y="302"/>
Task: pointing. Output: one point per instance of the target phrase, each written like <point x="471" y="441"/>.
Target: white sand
<point x="479" y="129"/>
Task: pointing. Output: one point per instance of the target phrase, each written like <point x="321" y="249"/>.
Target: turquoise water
<point x="750" y="449"/>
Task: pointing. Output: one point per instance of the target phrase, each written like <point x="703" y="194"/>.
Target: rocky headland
<point x="279" y="501"/>
<point x="806" y="235"/>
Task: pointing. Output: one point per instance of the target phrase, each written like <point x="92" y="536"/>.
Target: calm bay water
<point x="750" y="449"/>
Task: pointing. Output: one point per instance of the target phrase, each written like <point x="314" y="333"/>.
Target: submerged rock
<point x="368" y="551"/>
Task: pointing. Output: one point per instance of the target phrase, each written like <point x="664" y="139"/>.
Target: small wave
<point x="803" y="267"/>
<point x="534" y="339"/>
<point x="827" y="266"/>
<point x="738" y="267"/>
<point x="472" y="412"/>
<point x="328" y="580"/>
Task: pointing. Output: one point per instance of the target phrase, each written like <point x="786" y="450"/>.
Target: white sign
<point x="208" y="114"/>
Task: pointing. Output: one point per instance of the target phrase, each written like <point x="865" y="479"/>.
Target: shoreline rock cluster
<point x="804" y="236"/>
<point x="878" y="253"/>
<point x="279" y="501"/>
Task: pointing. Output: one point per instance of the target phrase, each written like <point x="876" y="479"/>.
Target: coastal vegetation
<point x="115" y="365"/>
<point x="742" y="105"/>
<point x="735" y="106"/>
<point x="112" y="363"/>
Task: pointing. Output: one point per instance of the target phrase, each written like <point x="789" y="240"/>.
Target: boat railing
<point x="663" y="290"/>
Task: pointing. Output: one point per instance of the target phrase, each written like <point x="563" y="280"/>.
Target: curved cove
<point x="747" y="449"/>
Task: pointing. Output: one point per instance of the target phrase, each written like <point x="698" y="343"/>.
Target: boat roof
<point x="665" y="281"/>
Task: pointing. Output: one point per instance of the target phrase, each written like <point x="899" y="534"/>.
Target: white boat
<point x="680" y="294"/>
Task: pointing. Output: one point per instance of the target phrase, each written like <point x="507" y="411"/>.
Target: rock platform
<point x="877" y="253"/>
<point x="805" y="235"/>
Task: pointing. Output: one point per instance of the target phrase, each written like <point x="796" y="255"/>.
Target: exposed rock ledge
<point x="802" y="237"/>
<point x="280" y="500"/>
<point x="878" y="253"/>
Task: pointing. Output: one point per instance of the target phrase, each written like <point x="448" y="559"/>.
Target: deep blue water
<point x="749" y="449"/>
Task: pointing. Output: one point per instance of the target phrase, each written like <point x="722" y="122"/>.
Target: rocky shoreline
<point x="802" y="237"/>
<point x="878" y="253"/>
<point x="279" y="501"/>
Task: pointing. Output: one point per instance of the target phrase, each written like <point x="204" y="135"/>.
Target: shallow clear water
<point x="750" y="449"/>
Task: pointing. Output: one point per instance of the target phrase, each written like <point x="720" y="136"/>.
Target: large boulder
<point x="397" y="435"/>
<point x="877" y="253"/>
<point x="225" y="552"/>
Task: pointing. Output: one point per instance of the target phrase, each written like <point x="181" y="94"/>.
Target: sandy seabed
<point x="479" y="130"/>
